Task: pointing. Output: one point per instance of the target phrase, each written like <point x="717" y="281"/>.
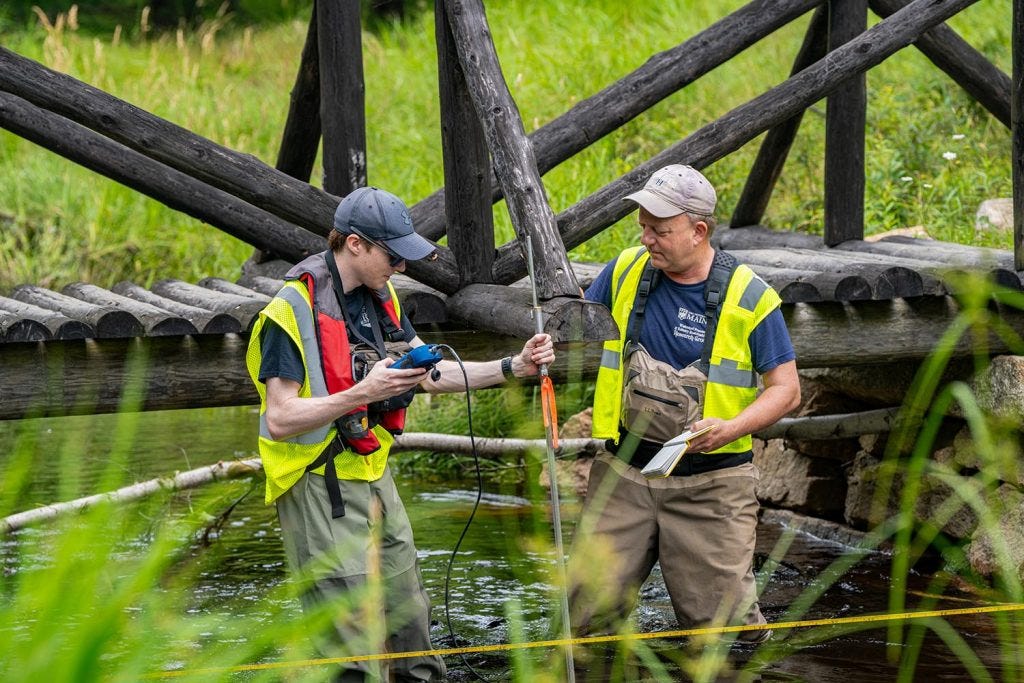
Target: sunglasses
<point x="395" y="261"/>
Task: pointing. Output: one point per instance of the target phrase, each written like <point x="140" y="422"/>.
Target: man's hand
<point x="383" y="381"/>
<point x="538" y="350"/>
<point x="715" y="438"/>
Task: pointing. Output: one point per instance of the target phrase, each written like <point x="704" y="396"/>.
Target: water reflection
<point x="504" y="558"/>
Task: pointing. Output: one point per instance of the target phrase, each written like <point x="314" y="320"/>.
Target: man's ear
<point x="354" y="244"/>
<point x="700" y="231"/>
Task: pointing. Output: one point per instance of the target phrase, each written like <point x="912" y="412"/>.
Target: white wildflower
<point x="906" y="178"/>
<point x="959" y="136"/>
<point x="949" y="156"/>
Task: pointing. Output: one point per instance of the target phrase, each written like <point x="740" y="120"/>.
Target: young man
<point x="660" y="379"/>
<point x="327" y="423"/>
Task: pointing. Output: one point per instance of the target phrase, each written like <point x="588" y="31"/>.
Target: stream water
<point x="494" y="566"/>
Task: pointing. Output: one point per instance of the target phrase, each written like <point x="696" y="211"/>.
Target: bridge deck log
<point x="92" y="376"/>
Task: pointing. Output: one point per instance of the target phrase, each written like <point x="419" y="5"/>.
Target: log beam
<point x="93" y="376"/>
<point x="206" y="321"/>
<point x="508" y="311"/>
<point x="737" y="127"/>
<point x="241" y="175"/>
<point x="981" y="79"/>
<point x="660" y="76"/>
<point x="106" y="322"/>
<point x="514" y="161"/>
<point x="58" y="325"/>
<point x="155" y="320"/>
<point x="152" y="178"/>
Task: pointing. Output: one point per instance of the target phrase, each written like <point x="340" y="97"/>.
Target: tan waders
<point x="700" y="527"/>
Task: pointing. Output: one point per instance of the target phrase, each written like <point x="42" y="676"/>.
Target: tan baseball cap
<point x="674" y="190"/>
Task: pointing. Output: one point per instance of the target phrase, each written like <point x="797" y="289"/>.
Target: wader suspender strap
<point x="648" y="281"/>
<point x="714" y="294"/>
<point x="326" y="458"/>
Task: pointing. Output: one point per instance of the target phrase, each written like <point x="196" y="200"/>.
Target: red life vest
<point x="335" y="352"/>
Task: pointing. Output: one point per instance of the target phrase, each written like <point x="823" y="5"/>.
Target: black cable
<point x="465" y="529"/>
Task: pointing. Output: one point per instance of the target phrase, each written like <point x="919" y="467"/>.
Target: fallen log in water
<point x="185" y="480"/>
<point x="812" y="427"/>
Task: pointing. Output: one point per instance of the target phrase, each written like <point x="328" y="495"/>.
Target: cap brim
<point x="411" y="247"/>
<point x="654" y="204"/>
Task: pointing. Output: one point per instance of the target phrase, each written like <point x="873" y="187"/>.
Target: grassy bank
<point x="932" y="154"/>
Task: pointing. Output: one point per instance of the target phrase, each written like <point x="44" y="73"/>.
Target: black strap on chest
<point x="381" y="326"/>
<point x="377" y="323"/>
<point x="715" y="288"/>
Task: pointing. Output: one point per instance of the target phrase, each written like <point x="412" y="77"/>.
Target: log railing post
<point x="302" y="128"/>
<point x="1017" y="118"/>
<point x="342" y="95"/>
<point x="775" y="148"/>
<point x="467" y="164"/>
<point x="845" y="116"/>
<point x="514" y="160"/>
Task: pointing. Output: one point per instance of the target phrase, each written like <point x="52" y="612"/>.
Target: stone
<point x="795" y="481"/>
<point x="936" y="501"/>
<point x="879" y="385"/>
<point x="994" y="215"/>
<point x="1000" y="387"/>
<point x="817" y="527"/>
<point x="985" y="553"/>
<point x="579" y="426"/>
<point x="916" y="231"/>
<point x="573" y="474"/>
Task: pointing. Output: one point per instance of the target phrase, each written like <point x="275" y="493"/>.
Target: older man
<point x="696" y="331"/>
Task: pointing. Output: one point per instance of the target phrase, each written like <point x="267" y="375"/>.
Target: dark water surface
<point x="501" y="569"/>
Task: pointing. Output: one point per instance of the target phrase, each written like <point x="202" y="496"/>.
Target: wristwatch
<point x="506" y="367"/>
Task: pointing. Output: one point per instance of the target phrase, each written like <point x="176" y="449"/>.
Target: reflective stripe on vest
<point x="311" y="359"/>
<point x="608" y="389"/>
<point x="732" y="381"/>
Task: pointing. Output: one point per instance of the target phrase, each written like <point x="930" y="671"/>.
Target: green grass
<point x="229" y="80"/>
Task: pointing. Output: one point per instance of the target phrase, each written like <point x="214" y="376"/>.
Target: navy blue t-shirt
<point x="674" y="322"/>
<point x="280" y="356"/>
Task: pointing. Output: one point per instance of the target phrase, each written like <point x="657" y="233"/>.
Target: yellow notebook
<point x="665" y="460"/>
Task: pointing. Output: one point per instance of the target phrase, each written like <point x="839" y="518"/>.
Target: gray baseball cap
<point x="674" y="190"/>
<point x="381" y="217"/>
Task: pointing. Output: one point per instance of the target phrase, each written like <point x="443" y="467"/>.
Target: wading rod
<point x="550" y="414"/>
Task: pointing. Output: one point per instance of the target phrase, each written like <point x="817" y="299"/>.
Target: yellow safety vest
<point x="285" y="461"/>
<point x="732" y="381"/>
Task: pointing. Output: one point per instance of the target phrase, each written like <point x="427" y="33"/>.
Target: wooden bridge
<point x="177" y="344"/>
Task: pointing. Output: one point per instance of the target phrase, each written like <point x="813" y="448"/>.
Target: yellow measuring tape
<point x="504" y="647"/>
